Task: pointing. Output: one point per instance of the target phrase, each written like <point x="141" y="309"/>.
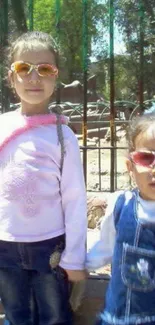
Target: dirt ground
<point x="97" y="182"/>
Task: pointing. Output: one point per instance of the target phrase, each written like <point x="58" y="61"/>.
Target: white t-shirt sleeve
<point x="74" y="205"/>
<point x="102" y="251"/>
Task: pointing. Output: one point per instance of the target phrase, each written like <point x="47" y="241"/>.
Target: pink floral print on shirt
<point x="21" y="185"/>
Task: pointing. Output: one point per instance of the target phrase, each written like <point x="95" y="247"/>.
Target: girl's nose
<point x="34" y="77"/>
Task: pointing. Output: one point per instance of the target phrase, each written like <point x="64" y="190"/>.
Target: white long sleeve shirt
<point x="36" y="201"/>
<point x="100" y="254"/>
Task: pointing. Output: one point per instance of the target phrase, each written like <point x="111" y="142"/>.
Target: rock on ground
<point x="96" y="207"/>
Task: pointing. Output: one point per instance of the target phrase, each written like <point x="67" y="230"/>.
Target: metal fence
<point x="108" y="115"/>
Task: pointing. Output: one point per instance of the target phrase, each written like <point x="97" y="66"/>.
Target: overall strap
<point x="118" y="208"/>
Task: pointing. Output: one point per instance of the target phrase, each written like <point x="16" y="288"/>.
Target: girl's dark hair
<point x="30" y="40"/>
<point x="139" y="125"/>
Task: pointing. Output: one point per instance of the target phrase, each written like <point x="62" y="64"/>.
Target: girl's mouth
<point x="152" y="184"/>
<point x="35" y="90"/>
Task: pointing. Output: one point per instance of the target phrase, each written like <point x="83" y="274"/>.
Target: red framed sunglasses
<point x="24" y="68"/>
<point x="143" y="158"/>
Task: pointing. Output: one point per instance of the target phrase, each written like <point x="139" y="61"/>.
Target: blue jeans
<point x="32" y="292"/>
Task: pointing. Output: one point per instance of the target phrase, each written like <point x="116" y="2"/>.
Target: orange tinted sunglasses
<point x="24" y="68"/>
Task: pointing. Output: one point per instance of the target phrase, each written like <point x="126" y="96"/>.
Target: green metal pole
<point x="30" y="10"/>
<point x="141" y="65"/>
<point x="112" y="97"/>
<point x="4" y="43"/>
<point x="58" y="18"/>
<point x="85" y="74"/>
<point x="58" y="9"/>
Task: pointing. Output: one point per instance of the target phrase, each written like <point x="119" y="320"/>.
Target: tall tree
<point x="69" y="33"/>
<point x="19" y="15"/>
<point x="136" y="18"/>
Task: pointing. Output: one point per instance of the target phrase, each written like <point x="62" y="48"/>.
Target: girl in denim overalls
<point x="43" y="219"/>
<point x="128" y="236"/>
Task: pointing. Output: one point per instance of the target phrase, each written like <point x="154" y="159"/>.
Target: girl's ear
<point x="129" y="166"/>
<point x="10" y="78"/>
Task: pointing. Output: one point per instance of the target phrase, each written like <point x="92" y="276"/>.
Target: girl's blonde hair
<point x="139" y="125"/>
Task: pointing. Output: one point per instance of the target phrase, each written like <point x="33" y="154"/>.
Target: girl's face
<point x="33" y="90"/>
<point x="144" y="177"/>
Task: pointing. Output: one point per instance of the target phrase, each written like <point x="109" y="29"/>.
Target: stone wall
<point x="92" y="301"/>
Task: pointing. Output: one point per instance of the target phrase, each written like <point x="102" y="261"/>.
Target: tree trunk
<point x="19" y="15"/>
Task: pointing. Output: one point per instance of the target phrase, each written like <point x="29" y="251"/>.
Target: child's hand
<point x="76" y="275"/>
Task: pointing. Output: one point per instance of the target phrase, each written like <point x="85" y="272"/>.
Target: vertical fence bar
<point x="85" y="73"/>
<point x="99" y="159"/>
<point x="57" y="11"/>
<point x="58" y="18"/>
<point x="141" y="67"/>
<point x="4" y="43"/>
<point x="112" y="96"/>
<point x="30" y="10"/>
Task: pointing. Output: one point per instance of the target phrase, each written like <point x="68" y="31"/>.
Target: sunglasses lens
<point x="143" y="158"/>
<point x="46" y="70"/>
<point x="21" y="68"/>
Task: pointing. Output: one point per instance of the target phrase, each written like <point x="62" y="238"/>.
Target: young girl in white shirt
<point x="42" y="193"/>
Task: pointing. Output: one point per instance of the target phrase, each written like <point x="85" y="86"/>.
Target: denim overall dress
<point x="130" y="297"/>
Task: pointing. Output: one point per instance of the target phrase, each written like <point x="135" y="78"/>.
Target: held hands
<point x="76" y="275"/>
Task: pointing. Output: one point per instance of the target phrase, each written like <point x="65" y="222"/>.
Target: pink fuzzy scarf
<point x="13" y="124"/>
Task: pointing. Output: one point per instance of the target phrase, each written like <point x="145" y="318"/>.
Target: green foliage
<point x="135" y="20"/>
<point x="69" y="31"/>
<point x="44" y="16"/>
